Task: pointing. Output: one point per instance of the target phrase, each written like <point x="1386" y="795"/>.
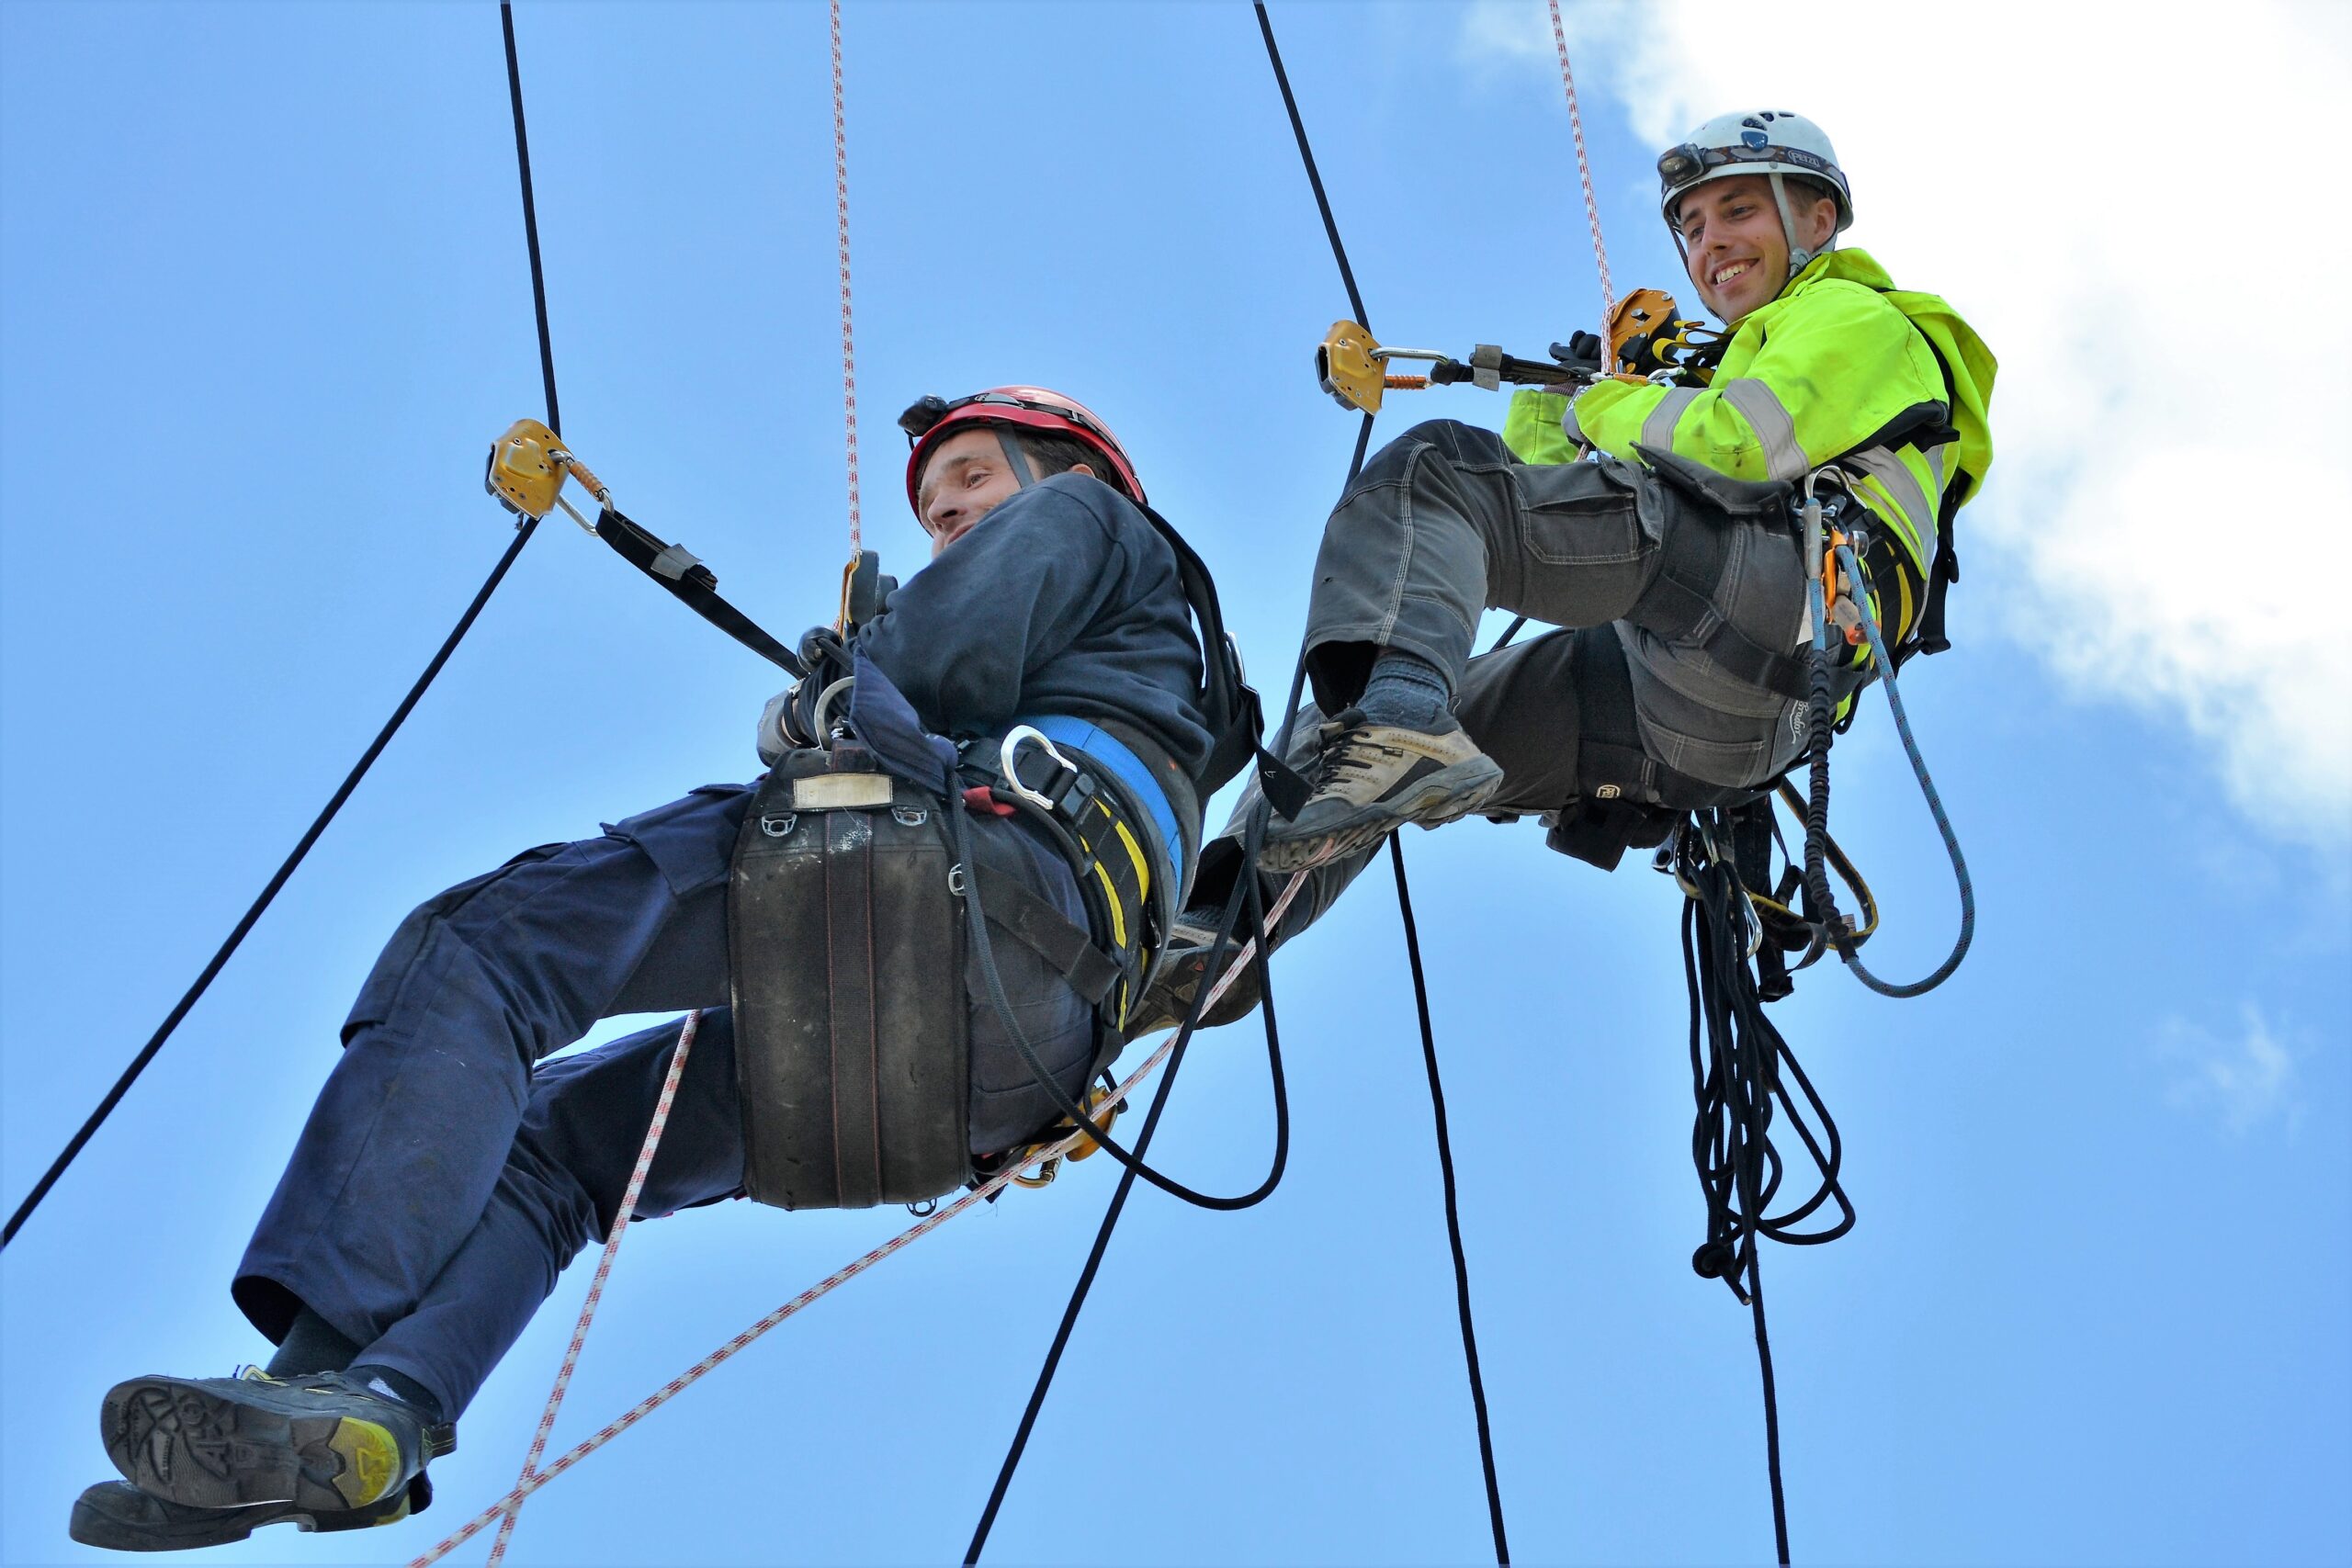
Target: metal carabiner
<point x="1010" y="749"/>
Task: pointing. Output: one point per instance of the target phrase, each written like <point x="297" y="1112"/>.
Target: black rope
<point x="530" y="216"/>
<point x="375" y="748"/>
<point x="1453" y="1207"/>
<point x="1740" y="1066"/>
<point x="1246" y="888"/>
<point x="1132" y="1161"/>
<point x="1396" y="853"/>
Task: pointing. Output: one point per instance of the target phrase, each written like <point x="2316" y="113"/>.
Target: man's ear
<point x="1085" y="468"/>
<point x="1823" y="225"/>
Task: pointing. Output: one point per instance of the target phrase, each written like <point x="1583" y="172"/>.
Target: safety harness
<point x="848" y="938"/>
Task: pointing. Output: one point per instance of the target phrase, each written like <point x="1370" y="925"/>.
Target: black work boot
<point x="1168" y="999"/>
<point x="1370" y="780"/>
<point x="322" y="1443"/>
<point x="117" y="1516"/>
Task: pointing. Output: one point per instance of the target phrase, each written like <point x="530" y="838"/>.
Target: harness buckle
<point x="1008" y="757"/>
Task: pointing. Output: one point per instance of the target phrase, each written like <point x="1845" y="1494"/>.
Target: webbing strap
<point x="849" y="909"/>
<point x="1042" y="930"/>
<point x="1686" y="590"/>
<point x="692" y="585"/>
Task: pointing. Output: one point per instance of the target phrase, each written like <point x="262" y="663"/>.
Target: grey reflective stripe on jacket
<point x="1657" y="430"/>
<point x="1776" y="432"/>
<point x="1761" y="407"/>
<point x="1916" y="525"/>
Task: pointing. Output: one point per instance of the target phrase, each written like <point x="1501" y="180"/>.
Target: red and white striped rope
<point x="849" y="346"/>
<point x="596" y="1286"/>
<point x="1591" y="203"/>
<point x="531" y="1483"/>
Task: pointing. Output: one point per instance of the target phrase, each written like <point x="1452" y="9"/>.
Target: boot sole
<point x="175" y="1440"/>
<point x="121" y="1518"/>
<point x="1441" y="798"/>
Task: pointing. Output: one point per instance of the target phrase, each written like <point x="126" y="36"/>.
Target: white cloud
<point x="2136" y="206"/>
<point x="2245" y="1079"/>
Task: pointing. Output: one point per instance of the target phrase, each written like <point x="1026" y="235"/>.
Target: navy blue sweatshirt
<point x="1063" y="600"/>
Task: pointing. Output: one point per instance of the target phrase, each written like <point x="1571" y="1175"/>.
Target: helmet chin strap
<point x="1799" y="257"/>
<point x="1014" y="457"/>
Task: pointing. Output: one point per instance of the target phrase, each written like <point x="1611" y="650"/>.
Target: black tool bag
<point x="855" y="1081"/>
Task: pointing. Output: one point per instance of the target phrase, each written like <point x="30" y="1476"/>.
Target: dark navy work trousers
<point x="447" y="1174"/>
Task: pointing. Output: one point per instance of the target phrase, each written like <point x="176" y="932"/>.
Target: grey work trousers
<point x="1444" y="523"/>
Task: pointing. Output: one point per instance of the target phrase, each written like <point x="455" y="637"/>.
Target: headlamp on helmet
<point x="932" y="420"/>
<point x="1771" y="142"/>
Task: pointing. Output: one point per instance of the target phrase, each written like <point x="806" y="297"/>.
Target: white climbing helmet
<point x="1772" y="143"/>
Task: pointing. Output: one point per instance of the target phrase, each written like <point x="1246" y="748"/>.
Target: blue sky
<point x="262" y="304"/>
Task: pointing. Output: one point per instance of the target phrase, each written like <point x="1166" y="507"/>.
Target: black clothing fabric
<point x="1063" y="600"/>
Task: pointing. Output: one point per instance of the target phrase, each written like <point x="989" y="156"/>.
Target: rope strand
<point x="1591" y="202"/>
<point x="849" y="342"/>
<point x="604" y="1271"/>
<point x="391" y="725"/>
<point x="1404" y="899"/>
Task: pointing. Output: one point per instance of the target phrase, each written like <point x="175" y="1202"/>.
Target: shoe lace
<point x="1345" y="751"/>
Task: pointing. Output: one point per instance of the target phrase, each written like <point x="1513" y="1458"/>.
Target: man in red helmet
<point x="448" y="1173"/>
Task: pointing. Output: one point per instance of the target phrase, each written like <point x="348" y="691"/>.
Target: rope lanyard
<point x="246" y="923"/>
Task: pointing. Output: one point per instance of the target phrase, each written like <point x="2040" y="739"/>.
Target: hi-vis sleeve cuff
<point x="1738" y="427"/>
<point x="1531" y="429"/>
<point x="1613" y="415"/>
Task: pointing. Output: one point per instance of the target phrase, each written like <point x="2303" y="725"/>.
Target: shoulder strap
<point x="1944" y="570"/>
<point x="1235" y="717"/>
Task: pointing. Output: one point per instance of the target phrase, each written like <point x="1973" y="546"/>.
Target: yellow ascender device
<point x="1647" y="334"/>
<point x="1347" y="362"/>
<point x="1647" y="338"/>
<point x="526" y="470"/>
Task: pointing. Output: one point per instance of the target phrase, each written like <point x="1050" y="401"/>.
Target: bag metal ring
<point x="821" y="720"/>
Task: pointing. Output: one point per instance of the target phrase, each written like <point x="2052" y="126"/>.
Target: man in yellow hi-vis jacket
<point x="1672" y="555"/>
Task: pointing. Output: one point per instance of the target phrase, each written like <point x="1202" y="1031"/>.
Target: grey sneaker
<point x="117" y="1516"/>
<point x="1372" y="780"/>
<point x="1168" y="1000"/>
<point x="319" y="1442"/>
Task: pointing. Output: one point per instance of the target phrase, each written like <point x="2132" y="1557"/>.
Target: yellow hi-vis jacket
<point x="1842" y="368"/>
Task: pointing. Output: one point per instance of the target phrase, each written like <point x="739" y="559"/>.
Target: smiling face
<point x="1734" y="246"/>
<point x="962" y="482"/>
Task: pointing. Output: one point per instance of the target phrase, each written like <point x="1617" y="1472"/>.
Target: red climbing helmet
<point x="933" y="418"/>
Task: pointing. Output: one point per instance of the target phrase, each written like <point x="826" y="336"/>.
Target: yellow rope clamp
<point x="527" y="467"/>
<point x="1348" y="365"/>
